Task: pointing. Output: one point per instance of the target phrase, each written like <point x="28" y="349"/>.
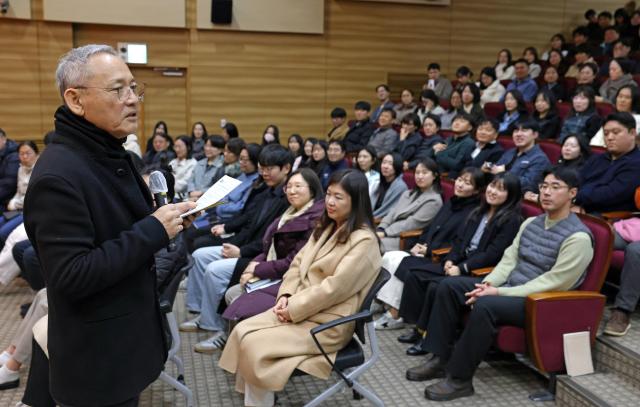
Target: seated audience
<point x="307" y="151"/>
<point x="557" y="43"/>
<point x="611" y="35"/>
<point x="504" y="66"/>
<point x="544" y="113"/>
<point x="499" y="298"/>
<point x="430" y="137"/>
<point x="27" y="155"/>
<point x="159" y="128"/>
<point x="384" y="139"/>
<point x="522" y="81"/>
<point x="438" y="234"/>
<point x="463" y="77"/>
<point x="530" y="54"/>
<point x="160" y="154"/>
<point x="183" y="165"/>
<point x="587" y="76"/>
<point x="198" y="136"/>
<point x="231" y="157"/>
<point x="515" y="111"/>
<point x="319" y="157"/>
<point x="341" y="263"/>
<point x="450" y="156"/>
<point x="406" y="105"/>
<point x="471" y="102"/>
<point x="229" y="131"/>
<point x="557" y="60"/>
<point x="583" y="120"/>
<point x="621" y="49"/>
<point x="282" y="241"/>
<point x="627" y="238"/>
<point x="415" y="208"/>
<point x="609" y="181"/>
<point x="455" y="104"/>
<point x="271" y="135"/>
<point x="480" y="242"/>
<point x="439" y="85"/>
<point x="619" y="76"/>
<point x="526" y="160"/>
<point x="487" y="150"/>
<point x="627" y="100"/>
<point x="582" y="55"/>
<point x="304" y="199"/>
<point x="409" y="139"/>
<point x="550" y="83"/>
<point x="295" y="147"/>
<point x="335" y="162"/>
<point x="391" y="185"/>
<point x="218" y="262"/>
<point x="208" y="170"/>
<point x="366" y="162"/>
<point x="383" y="93"/>
<point x="491" y="90"/>
<point x="360" y="131"/>
<point x="339" y="123"/>
<point x="430" y="104"/>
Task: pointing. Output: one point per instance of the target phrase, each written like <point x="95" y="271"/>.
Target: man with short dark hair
<point x="384" y="139"/>
<point x="499" y="298"/>
<point x="339" y="122"/>
<point x="441" y="86"/>
<point x="611" y="34"/>
<point x="526" y="160"/>
<point x="582" y="55"/>
<point x="621" y="48"/>
<point x="360" y="131"/>
<point x="383" y="93"/>
<point x="9" y="165"/>
<point x="609" y="180"/>
<point x="523" y="81"/>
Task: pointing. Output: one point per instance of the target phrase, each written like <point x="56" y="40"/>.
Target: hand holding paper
<point x="214" y="195"/>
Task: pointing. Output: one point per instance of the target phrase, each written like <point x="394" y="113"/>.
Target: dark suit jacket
<point x="408" y="147"/>
<point x="87" y="211"/>
<point x="358" y="135"/>
<point x="489" y="153"/>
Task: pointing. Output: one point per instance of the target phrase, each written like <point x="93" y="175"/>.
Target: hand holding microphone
<point x="167" y="214"/>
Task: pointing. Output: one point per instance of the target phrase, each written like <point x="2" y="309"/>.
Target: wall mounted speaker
<point x="221" y="11"/>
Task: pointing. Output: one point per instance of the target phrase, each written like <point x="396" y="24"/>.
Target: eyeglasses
<point x="122" y="92"/>
<point x="295" y="187"/>
<point x="551" y="187"/>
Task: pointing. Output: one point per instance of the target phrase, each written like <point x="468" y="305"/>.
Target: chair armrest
<point x="407" y="235"/>
<point x="165" y="306"/>
<point x="365" y="315"/>
<point x="437" y="254"/>
<point x="481" y="272"/>
<point x="550" y="315"/>
<point x="617" y="215"/>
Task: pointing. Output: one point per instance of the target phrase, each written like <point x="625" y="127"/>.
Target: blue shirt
<point x="609" y="185"/>
<point x="528" y="166"/>
<point x="527" y="87"/>
<point x="235" y="200"/>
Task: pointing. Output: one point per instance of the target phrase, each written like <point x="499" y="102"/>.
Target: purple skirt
<point x="254" y="303"/>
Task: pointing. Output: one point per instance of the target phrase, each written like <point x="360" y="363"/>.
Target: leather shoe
<point x="417" y="349"/>
<point x="449" y="389"/>
<point x="433" y="368"/>
<point x="413" y="336"/>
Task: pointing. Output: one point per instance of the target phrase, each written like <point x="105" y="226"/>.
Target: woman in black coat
<point x="479" y="243"/>
<point x="488" y="150"/>
<point x="438" y="234"/>
<point x="545" y="115"/>
<point x="410" y="139"/>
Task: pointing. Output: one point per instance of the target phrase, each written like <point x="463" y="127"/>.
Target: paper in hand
<point x="214" y="195"/>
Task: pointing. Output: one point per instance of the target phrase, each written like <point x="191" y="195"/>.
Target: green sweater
<point x="574" y="257"/>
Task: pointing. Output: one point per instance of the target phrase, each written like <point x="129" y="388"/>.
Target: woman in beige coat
<point x="415" y="208"/>
<point x="327" y="280"/>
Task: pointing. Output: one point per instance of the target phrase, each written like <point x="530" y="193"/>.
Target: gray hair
<point x="72" y="70"/>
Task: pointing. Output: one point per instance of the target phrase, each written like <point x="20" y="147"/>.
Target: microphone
<point x="159" y="189"/>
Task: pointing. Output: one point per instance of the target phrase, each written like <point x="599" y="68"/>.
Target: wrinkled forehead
<point x="108" y="70"/>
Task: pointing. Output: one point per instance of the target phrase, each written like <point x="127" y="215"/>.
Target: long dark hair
<point x="510" y="207"/>
<point x="384" y="184"/>
<point x="430" y="165"/>
<point x="298" y="138"/>
<point x="187" y="142"/>
<point x="311" y="178"/>
<point x="276" y="135"/>
<point x="361" y="216"/>
<point x="635" y="97"/>
<point x="204" y="131"/>
<point x="549" y="97"/>
<point x="522" y="105"/>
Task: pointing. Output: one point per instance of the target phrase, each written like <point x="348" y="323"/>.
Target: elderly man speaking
<point x="89" y="214"/>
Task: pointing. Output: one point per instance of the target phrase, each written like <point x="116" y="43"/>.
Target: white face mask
<point x="269" y="138"/>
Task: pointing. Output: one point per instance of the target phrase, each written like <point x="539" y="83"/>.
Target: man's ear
<point x="73" y="100"/>
<point x="573" y="192"/>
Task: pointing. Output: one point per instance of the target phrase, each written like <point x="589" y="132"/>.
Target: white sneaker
<point x="192" y="325"/>
<point x="215" y="343"/>
<point x="183" y="284"/>
<point x="4" y="357"/>
<point x="387" y="323"/>
<point x="8" y="378"/>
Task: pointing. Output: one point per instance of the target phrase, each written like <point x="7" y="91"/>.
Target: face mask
<point x="269" y="138"/>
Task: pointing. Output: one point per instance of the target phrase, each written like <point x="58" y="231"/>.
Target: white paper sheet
<point x="214" y="195"/>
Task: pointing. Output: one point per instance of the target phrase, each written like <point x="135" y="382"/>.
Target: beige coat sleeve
<point x="355" y="270"/>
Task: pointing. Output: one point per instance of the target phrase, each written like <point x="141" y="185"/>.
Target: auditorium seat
<point x="552" y="314"/>
<point x="563" y="108"/>
<point x="636" y="78"/>
<point x="352" y="355"/>
<point x="552" y="150"/>
<point x="505" y="82"/>
<point x="493" y="109"/>
<point x="506" y="142"/>
<point x="570" y="85"/>
<point x="604" y="109"/>
<point x="408" y="178"/>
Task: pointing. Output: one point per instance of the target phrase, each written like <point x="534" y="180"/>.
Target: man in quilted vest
<point x="550" y="253"/>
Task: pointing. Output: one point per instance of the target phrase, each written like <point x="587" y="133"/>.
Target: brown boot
<point x="432" y="368"/>
<point x="618" y="324"/>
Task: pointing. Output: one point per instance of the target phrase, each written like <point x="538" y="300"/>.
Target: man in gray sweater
<point x="550" y="253"/>
<point x="384" y="139"/>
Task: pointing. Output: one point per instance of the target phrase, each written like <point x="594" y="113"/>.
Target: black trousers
<point x="36" y="393"/>
<point x="128" y="403"/>
<point x="485" y="317"/>
<point x="417" y="296"/>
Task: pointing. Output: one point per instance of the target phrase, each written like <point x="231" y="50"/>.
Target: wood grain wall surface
<point x="292" y="80"/>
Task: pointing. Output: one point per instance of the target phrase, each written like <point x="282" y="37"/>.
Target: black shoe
<point x="433" y="368"/>
<point x="10" y="385"/>
<point x="449" y="389"/>
<point x="413" y="336"/>
<point x="417" y="349"/>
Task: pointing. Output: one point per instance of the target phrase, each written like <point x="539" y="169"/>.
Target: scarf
<point x="290" y="213"/>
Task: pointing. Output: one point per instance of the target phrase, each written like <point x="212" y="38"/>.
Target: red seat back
<point x="530" y="209"/>
<point x="563" y="109"/>
<point x="506" y="142"/>
<point x="493" y="109"/>
<point x="604" y="109"/>
<point x="505" y="82"/>
<point x="570" y="85"/>
<point x="409" y="179"/>
<point x="598" y="150"/>
<point x="447" y="188"/>
<point x="602" y="249"/>
<point x="636" y="78"/>
<point x="552" y="150"/>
